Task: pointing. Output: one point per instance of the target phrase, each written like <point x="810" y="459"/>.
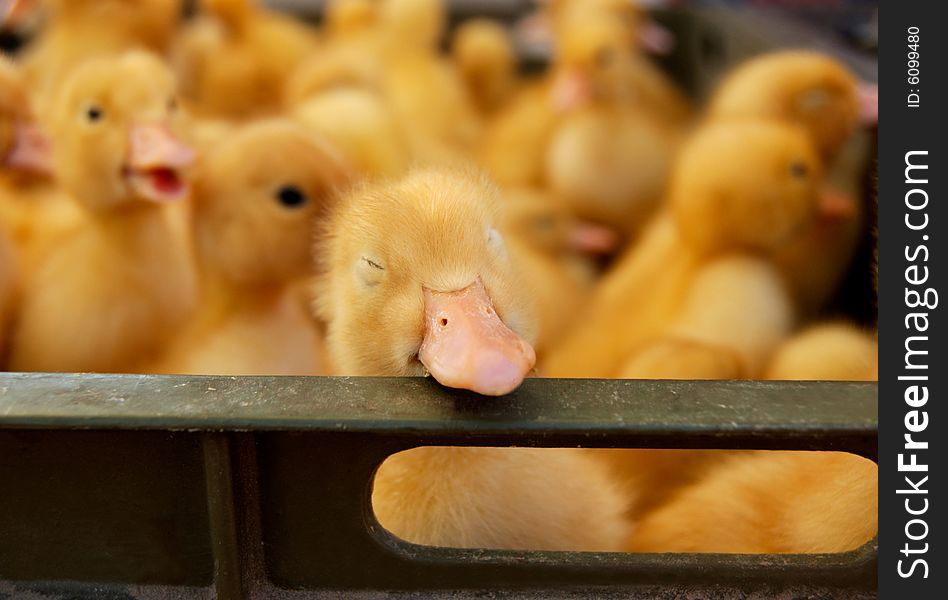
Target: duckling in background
<point x="739" y="193"/>
<point x="235" y="58"/>
<point x="112" y="291"/>
<point x="31" y="208"/>
<point x="827" y="351"/>
<point x="257" y="199"/>
<point x="361" y="126"/>
<point x="422" y="86"/>
<point x="485" y="56"/>
<point x="417" y="279"/>
<point x="818" y="93"/>
<point x="8" y="287"/>
<point x="77" y="30"/>
<point x="554" y="251"/>
<point x="781" y="502"/>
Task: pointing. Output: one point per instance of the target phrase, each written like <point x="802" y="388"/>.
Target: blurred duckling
<point x="484" y="53"/>
<point x="362" y="126"/>
<point x="234" y="60"/>
<point x="781" y="502"/>
<point x="77" y="30"/>
<point x="417" y="280"/>
<point x="740" y="192"/>
<point x="814" y="91"/>
<point x="258" y="197"/>
<point x="113" y="290"/>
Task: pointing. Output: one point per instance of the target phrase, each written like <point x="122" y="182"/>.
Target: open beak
<point x="31" y="151"/>
<point x="571" y="90"/>
<point x="468" y="346"/>
<point x="155" y="163"/>
<point x="834" y="205"/>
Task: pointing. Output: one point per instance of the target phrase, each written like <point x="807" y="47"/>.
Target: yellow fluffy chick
<point x="817" y="92"/>
<point x="361" y="126"/>
<point x="112" y="291"/>
<point x="418" y="280"/>
<point x="234" y="60"/>
<point x="799" y="86"/>
<point x="740" y="191"/>
<point x="77" y="30"/>
<point x="487" y="60"/>
<point x="827" y="351"/>
<point x="257" y="198"/>
<point x="552" y="249"/>
<point x="770" y="503"/>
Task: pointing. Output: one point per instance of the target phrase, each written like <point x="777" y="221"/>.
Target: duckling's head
<point x="803" y="87"/>
<point x="114" y="121"/>
<point x="418" y="280"/>
<point x="23" y="146"/>
<point x="593" y="57"/>
<point x="419" y="23"/>
<point x="745" y="185"/>
<point x="484" y="53"/>
<point x="258" y="194"/>
<point x="545" y="222"/>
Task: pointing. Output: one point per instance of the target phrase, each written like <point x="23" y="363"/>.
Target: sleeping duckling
<point x="77" y="30"/>
<point x="257" y="198"/>
<point x="234" y="60"/>
<point x="112" y="290"/>
<point x="418" y="280"/>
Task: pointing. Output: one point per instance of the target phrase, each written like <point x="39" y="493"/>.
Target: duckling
<point x="487" y="60"/>
<point x="739" y="193"/>
<point x="77" y="30"/>
<point x="257" y="198"/>
<point x="8" y="287"/>
<point x="362" y="126"/>
<point x="234" y="60"/>
<point x="770" y="503"/>
<point x="827" y="351"/>
<point x="818" y="93"/>
<point x="553" y="250"/>
<point x="112" y="290"/>
<point x="417" y="280"/>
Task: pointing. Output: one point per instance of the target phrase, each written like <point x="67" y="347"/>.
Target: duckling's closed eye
<point x="370" y="272"/>
<point x="799" y="170"/>
<point x="496" y="241"/>
<point x="605" y="56"/>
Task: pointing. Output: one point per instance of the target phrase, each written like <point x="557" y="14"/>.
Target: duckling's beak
<point x="593" y="239"/>
<point x="571" y="89"/>
<point x="14" y="12"/>
<point x="468" y="346"/>
<point x="31" y="151"/>
<point x="834" y="205"/>
<point x="155" y="163"/>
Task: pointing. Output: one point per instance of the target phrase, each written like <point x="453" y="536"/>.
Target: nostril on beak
<point x="444" y="322"/>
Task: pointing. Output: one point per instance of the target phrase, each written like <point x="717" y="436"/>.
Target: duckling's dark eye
<point x="605" y="56"/>
<point x="290" y="195"/>
<point x="172" y="104"/>
<point x="799" y="170"/>
<point x="93" y="113"/>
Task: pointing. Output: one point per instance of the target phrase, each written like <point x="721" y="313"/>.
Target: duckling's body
<point x="827" y="351"/>
<point x="113" y="289"/>
<point x="418" y="278"/>
<point x="258" y="197"/>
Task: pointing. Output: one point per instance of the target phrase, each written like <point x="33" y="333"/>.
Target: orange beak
<point x="15" y="12"/>
<point x="571" y="90"/>
<point x="468" y="346"/>
<point x="593" y="239"/>
<point x="834" y="205"/>
<point x="31" y="151"/>
<point x="155" y="161"/>
<point x="869" y="104"/>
